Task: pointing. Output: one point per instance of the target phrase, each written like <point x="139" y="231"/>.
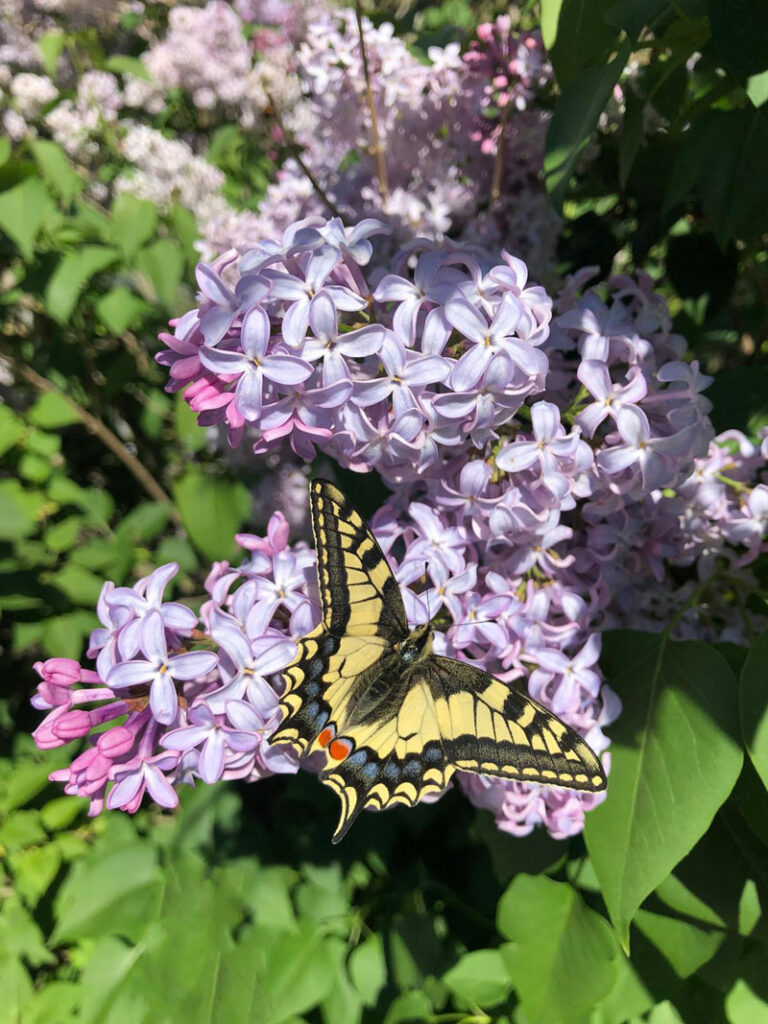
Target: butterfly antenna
<point x="429" y="611"/>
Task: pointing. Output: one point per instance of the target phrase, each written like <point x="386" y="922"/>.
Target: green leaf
<point x="20" y="829"/>
<point x="628" y="998"/>
<point x="480" y="978"/>
<point x="162" y="266"/>
<point x="19" y="510"/>
<point x="742" y="1006"/>
<point x="111" y="892"/>
<point x="631" y="135"/>
<point x="60" y="812"/>
<point x="753" y="705"/>
<point x="122" y="64"/>
<point x="144" y="522"/>
<point x="368" y="969"/>
<point x="57" y="170"/>
<point x="411" y="1007"/>
<point x="634" y="15"/>
<point x="23" y="211"/>
<point x="51" y="412"/>
<point x="71" y="276"/>
<point x="5" y="150"/>
<point x="134" y="221"/>
<point x="33" y="871"/>
<point x="35" y="468"/>
<point x="11" y="428"/>
<point x="20" y="934"/>
<point x="566" y="956"/>
<point x="575" y="117"/>
<point x="62" y="536"/>
<point x="674" y="760"/>
<point x="684" y="945"/>
<point x="64" y="635"/>
<point x="550" y="15"/>
<point x="213" y="510"/>
<point x="272" y="978"/>
<point x="192" y="437"/>
<point x="80" y="585"/>
<point x="51" y="46"/>
<point x="177" y="549"/>
<point x="120" y="309"/>
<point x="16" y="986"/>
<point x="584" y="38"/>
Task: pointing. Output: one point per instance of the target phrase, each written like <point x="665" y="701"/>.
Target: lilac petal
<point x="223" y="362"/>
<point x="231" y="638"/>
<point x="435" y="333"/>
<point x="193" y="664"/>
<point x="129" y="639"/>
<point x="211" y="761"/>
<point x="286" y="369"/>
<point x="369" y="392"/>
<point x="589" y="419"/>
<point x="515" y="457"/>
<point x="552" y="661"/>
<point x="250" y="289"/>
<point x="467" y="372"/>
<point x="158" y="580"/>
<point x="125" y="790"/>
<point x="392" y="288"/>
<point x="279" y="760"/>
<point x="178" y="617"/>
<point x="546" y="420"/>
<point x="506" y="320"/>
<point x="595" y="378"/>
<point x="244" y="716"/>
<point x="255" y="332"/>
<point x="321" y="263"/>
<point x="159" y="787"/>
<point x="272" y="656"/>
<point x="614" y="460"/>
<point x="454" y="405"/>
<point x="296" y="322"/>
<point x="243" y="742"/>
<point x="633" y="426"/>
<point x="322" y="317"/>
<point x="365" y="341"/>
<point x="163" y="700"/>
<point x="184" y="739"/>
<point x="532" y="360"/>
<point x="249" y="393"/>
<point x="153" y="641"/>
<point x="200" y="714"/>
<point x="130" y="673"/>
<point x="215" y="323"/>
<point x="212" y="286"/>
<point x="425" y="370"/>
<point x="332" y="395"/>
<point x="467" y="320"/>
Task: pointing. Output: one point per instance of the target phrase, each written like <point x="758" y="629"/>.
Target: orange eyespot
<point x="340" y="749"/>
<point x="326" y="736"/>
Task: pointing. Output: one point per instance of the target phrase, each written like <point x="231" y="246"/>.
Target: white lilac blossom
<point x="554" y="474"/>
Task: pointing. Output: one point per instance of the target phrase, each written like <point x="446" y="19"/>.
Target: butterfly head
<point x="417" y="645"/>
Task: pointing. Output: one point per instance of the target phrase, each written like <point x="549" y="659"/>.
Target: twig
<point x="498" y="164"/>
<point x="295" y="151"/>
<point x="376" y="147"/>
<point x="99" y="429"/>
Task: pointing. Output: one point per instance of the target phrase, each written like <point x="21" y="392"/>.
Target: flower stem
<point x="376" y="147"/>
<point x="498" y="163"/>
<point x="100" y="430"/>
<point x="295" y="150"/>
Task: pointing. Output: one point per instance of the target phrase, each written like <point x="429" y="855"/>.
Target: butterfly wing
<point x="363" y="617"/>
<point x="456" y="717"/>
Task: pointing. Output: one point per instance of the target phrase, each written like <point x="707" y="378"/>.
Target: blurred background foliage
<point x="237" y="908"/>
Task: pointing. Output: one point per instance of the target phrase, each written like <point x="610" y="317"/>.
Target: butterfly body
<point x="396" y="720"/>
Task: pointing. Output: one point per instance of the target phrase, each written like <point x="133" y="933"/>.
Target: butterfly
<point x="395" y="720"/>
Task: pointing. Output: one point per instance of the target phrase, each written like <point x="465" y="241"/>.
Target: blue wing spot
<point x="433" y="754"/>
<point x="370" y="771"/>
<point x="311" y="689"/>
<point x="312" y="709"/>
<point x="412" y="769"/>
<point x="391" y="771"/>
<point x="358" y="758"/>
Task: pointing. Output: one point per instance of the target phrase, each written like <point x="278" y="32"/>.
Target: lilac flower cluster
<point x="186" y="702"/>
<point x="553" y="472"/>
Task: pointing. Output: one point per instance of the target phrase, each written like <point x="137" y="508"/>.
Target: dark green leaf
<point x="19" y="510"/>
<point x="33" y="871"/>
<point x="11" y="428"/>
<point x="71" y="276"/>
<point x="674" y="759"/>
<point x="566" y="956"/>
<point x="739" y="33"/>
<point x="753" y="703"/>
<point x="634" y="15"/>
<point x="576" y="115"/>
<point x="213" y="510"/>
<point x="584" y="38"/>
<point x="51" y="412"/>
